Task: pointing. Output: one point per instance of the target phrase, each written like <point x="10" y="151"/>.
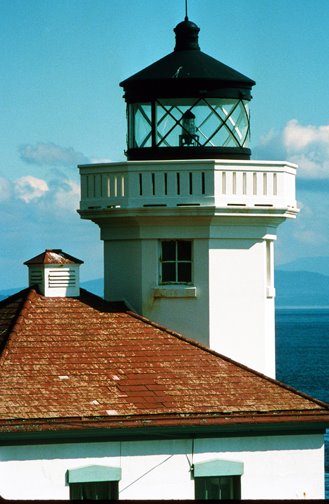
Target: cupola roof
<point x="53" y="256"/>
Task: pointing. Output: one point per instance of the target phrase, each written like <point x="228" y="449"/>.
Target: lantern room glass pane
<point x="234" y="131"/>
<point x="141" y="134"/>
<point x="217" y="122"/>
<point x="169" y="116"/>
<point x="190" y="122"/>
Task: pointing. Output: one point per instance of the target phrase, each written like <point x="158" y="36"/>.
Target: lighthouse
<point x="189" y="220"/>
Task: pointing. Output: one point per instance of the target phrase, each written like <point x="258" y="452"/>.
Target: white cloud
<point x="50" y="154"/>
<point x="30" y="188"/>
<point x="298" y="137"/>
<point x="268" y="137"/>
<point x="308" y="146"/>
<point x="56" y="195"/>
<point x="67" y="196"/>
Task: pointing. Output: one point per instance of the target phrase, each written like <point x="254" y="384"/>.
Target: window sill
<point x="175" y="291"/>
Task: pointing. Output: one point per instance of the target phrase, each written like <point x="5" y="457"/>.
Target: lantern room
<point x="188" y="105"/>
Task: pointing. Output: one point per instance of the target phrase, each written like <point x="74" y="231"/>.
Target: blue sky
<point x="61" y="104"/>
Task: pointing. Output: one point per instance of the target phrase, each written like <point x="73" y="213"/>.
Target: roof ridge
<point x="228" y="359"/>
<point x="29" y="293"/>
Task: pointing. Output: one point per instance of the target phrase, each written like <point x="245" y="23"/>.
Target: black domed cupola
<point x="187" y="36"/>
<point x="188" y="105"/>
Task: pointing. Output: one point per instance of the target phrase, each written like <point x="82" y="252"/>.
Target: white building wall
<point x="240" y="305"/>
<point x="275" y="467"/>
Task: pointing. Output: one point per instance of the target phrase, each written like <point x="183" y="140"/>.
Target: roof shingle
<point x="87" y="359"/>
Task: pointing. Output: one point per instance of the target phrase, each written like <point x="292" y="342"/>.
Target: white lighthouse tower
<point x="189" y="221"/>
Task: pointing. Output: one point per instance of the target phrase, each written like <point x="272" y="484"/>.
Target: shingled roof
<point x="53" y="256"/>
<point x="83" y="363"/>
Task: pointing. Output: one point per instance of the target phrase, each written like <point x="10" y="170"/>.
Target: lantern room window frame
<point x="228" y="115"/>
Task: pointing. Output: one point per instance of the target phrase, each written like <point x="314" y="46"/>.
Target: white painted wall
<point x="241" y="313"/>
<point x="275" y="467"/>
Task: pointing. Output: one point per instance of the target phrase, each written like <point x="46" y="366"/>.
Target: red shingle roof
<point x="53" y="256"/>
<point x="88" y="360"/>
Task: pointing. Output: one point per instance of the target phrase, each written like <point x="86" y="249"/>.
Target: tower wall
<point x="229" y="211"/>
<point x="241" y="301"/>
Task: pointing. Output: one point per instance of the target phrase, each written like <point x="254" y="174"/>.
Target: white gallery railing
<point x="216" y="183"/>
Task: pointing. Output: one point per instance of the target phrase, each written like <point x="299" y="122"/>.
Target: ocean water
<point x="302" y="355"/>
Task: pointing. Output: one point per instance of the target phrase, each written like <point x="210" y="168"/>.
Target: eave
<point x="162" y="426"/>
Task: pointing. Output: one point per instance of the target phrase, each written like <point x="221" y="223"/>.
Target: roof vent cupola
<point x="188" y="84"/>
<point x="55" y="273"/>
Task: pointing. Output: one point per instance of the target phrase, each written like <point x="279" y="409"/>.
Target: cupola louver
<point x="55" y="273"/>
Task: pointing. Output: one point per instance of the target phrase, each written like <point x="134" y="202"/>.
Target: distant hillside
<point x="315" y="264"/>
<point x="95" y="286"/>
<point x="301" y="288"/>
<point x="293" y="288"/>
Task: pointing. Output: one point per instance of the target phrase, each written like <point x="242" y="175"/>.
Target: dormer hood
<point x="55" y="273"/>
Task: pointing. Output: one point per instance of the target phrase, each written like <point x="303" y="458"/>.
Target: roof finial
<point x="186" y="16"/>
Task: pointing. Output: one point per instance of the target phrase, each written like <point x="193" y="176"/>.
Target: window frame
<point x="202" y="488"/>
<point x="176" y="262"/>
<point x="218" y="469"/>
<point x="109" y="490"/>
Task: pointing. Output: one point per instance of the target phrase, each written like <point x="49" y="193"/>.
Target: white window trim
<point x="270" y="289"/>
<point x="217" y="468"/>
<point x="93" y="474"/>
